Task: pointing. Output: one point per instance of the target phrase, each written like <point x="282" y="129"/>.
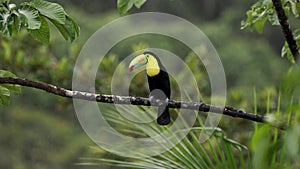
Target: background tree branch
<point x="285" y="26"/>
<point x="200" y="106"/>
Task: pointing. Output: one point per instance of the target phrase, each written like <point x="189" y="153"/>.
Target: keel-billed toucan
<point x="158" y="80"/>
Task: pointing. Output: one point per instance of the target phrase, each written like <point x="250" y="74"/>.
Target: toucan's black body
<point x="161" y="83"/>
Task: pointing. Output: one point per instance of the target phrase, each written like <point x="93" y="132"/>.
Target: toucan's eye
<point x="147" y="55"/>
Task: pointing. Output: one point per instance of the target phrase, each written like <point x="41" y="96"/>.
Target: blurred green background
<point x="40" y="130"/>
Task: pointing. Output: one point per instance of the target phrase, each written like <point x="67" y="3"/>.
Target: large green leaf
<point x="72" y="28"/>
<point x="74" y="25"/>
<point x="62" y="29"/>
<point x="30" y="17"/>
<point x="35" y="16"/>
<point x="69" y="30"/>
<point x="42" y="34"/>
<point x="51" y="10"/>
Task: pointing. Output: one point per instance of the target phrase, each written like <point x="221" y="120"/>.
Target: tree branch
<point x="229" y="111"/>
<point x="288" y="34"/>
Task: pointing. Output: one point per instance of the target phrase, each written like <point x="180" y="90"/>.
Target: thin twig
<point x="285" y="26"/>
<point x="200" y="106"/>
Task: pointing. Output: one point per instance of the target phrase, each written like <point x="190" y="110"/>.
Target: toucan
<point x="158" y="80"/>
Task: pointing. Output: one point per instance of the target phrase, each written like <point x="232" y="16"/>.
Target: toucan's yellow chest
<point x="152" y="67"/>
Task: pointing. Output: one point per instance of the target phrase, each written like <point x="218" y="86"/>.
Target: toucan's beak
<point x="137" y="62"/>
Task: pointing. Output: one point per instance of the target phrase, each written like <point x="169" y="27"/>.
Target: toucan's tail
<point x="163" y="115"/>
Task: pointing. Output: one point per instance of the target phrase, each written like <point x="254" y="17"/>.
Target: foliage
<point x="272" y="148"/>
<point x="269" y="146"/>
<point x="263" y="11"/>
<point x="29" y="139"/>
<point x="259" y="13"/>
<point x="34" y="16"/>
<point x="217" y="152"/>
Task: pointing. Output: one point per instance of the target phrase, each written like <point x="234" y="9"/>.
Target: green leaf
<point x="4" y="22"/>
<point x="298" y="8"/>
<point x="297" y="33"/>
<point x="216" y="152"/>
<point x="51" y="10"/>
<point x="261" y="144"/>
<point x="286" y="52"/>
<point x="256" y="16"/>
<point x="294" y="5"/>
<point x="244" y="24"/>
<point x="273" y="19"/>
<point x="5" y="89"/>
<point x="10" y="25"/>
<point x="75" y="25"/>
<point x="139" y="3"/>
<point x="4" y="96"/>
<point x="69" y="30"/>
<point x="266" y="2"/>
<point x="124" y="6"/>
<point x="61" y="28"/>
<point x="42" y="34"/>
<point x="292" y="140"/>
<point x="30" y="17"/>
<point x="249" y="21"/>
<point x="16" y="24"/>
<point x="10" y="87"/>
<point x="73" y="30"/>
<point x="259" y="25"/>
<point x="4" y="5"/>
<point x="4" y="73"/>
